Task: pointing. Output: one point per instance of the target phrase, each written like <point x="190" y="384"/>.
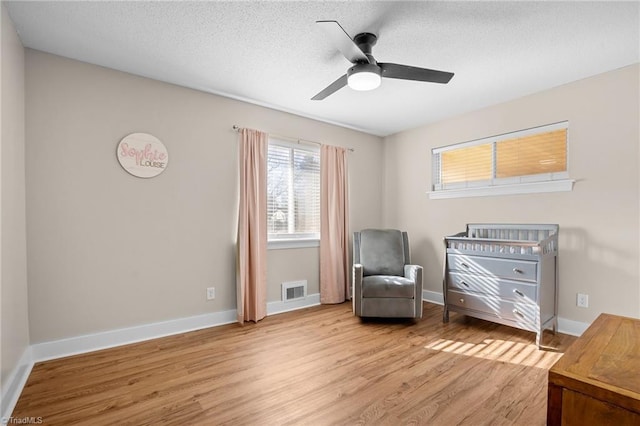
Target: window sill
<point x="292" y="244"/>
<point x="520" y="188"/>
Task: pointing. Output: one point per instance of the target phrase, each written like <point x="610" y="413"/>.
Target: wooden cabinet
<point x="503" y="273"/>
<point x="597" y="380"/>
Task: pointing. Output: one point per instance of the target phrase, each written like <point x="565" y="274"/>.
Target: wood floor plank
<point x="317" y="366"/>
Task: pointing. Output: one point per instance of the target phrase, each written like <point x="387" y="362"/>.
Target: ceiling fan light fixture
<point x="364" y="77"/>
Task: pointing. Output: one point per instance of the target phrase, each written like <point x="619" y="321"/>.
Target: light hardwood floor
<point x="316" y="366"/>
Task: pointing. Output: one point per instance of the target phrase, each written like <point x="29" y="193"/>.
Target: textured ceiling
<point x="273" y="53"/>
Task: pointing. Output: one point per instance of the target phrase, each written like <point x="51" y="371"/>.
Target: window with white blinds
<point x="531" y="160"/>
<point x="293" y="191"/>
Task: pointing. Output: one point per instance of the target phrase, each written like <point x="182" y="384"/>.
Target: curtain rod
<point x="288" y="138"/>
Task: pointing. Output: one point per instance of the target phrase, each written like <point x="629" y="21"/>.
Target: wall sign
<point x="142" y="155"/>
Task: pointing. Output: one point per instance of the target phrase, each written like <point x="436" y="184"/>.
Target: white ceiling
<point x="273" y="54"/>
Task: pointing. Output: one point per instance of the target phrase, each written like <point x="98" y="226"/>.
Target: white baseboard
<point x="280" y="307"/>
<point x="109" y="339"/>
<point x="433" y="297"/>
<point x="573" y="328"/>
<point x="15" y="383"/>
<point x="566" y="326"/>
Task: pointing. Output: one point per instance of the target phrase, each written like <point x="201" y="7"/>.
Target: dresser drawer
<point x="505" y="268"/>
<point x="493" y="286"/>
<point x="523" y="313"/>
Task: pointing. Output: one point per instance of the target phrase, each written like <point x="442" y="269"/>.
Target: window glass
<point x="467" y="164"/>
<point x="530" y="155"/>
<point x="293" y="192"/>
<point x="518" y="158"/>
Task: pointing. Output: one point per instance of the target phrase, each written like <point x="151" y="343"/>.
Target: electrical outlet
<point x="211" y="293"/>
<point x="582" y="300"/>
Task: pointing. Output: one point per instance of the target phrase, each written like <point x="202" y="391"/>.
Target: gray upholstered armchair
<point x="385" y="284"/>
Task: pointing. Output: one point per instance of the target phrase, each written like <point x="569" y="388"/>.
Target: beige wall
<point x="598" y="220"/>
<point x="13" y="258"/>
<point x="107" y="250"/>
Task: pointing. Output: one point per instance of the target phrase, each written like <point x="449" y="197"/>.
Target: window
<point x="293" y="195"/>
<point x="532" y="160"/>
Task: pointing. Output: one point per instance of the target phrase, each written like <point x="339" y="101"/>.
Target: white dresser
<point x="505" y="273"/>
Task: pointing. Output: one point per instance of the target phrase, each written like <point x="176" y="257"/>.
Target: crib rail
<point x="525" y="239"/>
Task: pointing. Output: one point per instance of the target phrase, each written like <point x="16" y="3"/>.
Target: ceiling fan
<point x="366" y="73"/>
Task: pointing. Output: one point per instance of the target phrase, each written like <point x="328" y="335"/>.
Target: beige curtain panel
<point x="252" y="227"/>
<point x="334" y="225"/>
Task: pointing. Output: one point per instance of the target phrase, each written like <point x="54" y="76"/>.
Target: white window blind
<point x="526" y="158"/>
<point x="293" y="191"/>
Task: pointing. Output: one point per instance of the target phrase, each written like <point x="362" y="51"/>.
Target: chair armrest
<point x="356" y="295"/>
<point x="414" y="273"/>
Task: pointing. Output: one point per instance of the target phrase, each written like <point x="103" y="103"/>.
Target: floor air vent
<point x="294" y="290"/>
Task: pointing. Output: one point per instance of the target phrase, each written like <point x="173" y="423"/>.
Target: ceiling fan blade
<point x="330" y="89"/>
<point x="343" y="41"/>
<point x="406" y="72"/>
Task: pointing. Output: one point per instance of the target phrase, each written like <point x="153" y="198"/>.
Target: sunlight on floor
<point x="499" y="350"/>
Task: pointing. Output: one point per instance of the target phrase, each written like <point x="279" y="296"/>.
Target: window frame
<point x="524" y="184"/>
<point x="302" y="240"/>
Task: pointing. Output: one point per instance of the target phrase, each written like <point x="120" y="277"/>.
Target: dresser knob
<point x="518" y="292"/>
<point x="461" y="300"/>
<point x="518" y="271"/>
<point x="464" y="284"/>
<point x="517" y="312"/>
<point x="464" y="265"/>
